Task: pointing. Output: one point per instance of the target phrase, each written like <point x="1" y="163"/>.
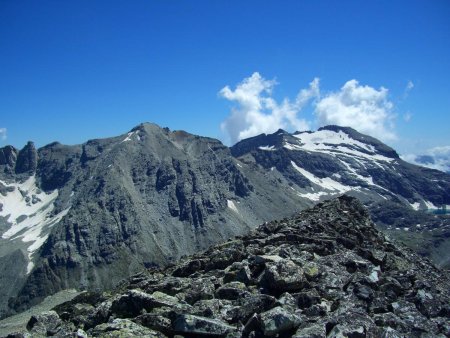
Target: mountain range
<point x="87" y="216"/>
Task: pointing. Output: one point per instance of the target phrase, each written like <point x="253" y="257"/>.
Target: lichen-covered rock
<point x="232" y="291"/>
<point x="155" y="322"/>
<point x="121" y="328"/>
<point x="277" y="321"/>
<point x="133" y="302"/>
<point x="311" y="330"/>
<point x="195" y="325"/>
<point x="283" y="275"/>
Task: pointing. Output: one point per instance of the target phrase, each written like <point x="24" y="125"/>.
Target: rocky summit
<point x="326" y="272"/>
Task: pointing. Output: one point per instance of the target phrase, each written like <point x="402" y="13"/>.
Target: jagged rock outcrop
<point x="326" y="272"/>
<point x="8" y="157"/>
<point x="27" y="159"/>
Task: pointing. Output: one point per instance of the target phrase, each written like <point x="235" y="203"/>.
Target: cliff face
<point x="326" y="272"/>
<point x="88" y="216"/>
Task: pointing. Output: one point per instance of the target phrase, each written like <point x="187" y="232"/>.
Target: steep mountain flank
<point x="326" y="272"/>
<point x="87" y="216"/>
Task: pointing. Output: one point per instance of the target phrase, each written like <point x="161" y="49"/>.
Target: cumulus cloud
<point x="364" y="108"/>
<point x="435" y="158"/>
<point x="256" y="111"/>
<point x="2" y="134"/>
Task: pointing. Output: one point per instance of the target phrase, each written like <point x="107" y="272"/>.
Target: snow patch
<point x="267" y="148"/>
<point x="430" y="205"/>
<point x="232" y="206"/>
<point x="291" y="146"/>
<point x="326" y="183"/>
<point x="128" y="138"/>
<point x="368" y="180"/>
<point x="29" y="211"/>
<point x="415" y="205"/>
<point x="313" y="196"/>
<point x="321" y="137"/>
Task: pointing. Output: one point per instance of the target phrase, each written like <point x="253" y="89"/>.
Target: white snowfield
<point x="327" y="185"/>
<point x="336" y="143"/>
<point x="29" y="212"/>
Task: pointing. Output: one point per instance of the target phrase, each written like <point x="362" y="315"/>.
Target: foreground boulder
<point x="326" y="272"/>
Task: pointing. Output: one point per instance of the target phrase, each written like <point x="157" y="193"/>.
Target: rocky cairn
<point x="326" y="272"/>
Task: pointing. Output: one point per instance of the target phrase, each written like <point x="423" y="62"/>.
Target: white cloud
<point x="407" y="117"/>
<point x="3" y="134"/>
<point x="408" y="88"/>
<point x="257" y="112"/>
<point x="435" y="158"/>
<point x="363" y="108"/>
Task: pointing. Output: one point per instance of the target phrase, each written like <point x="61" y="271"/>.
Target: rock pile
<point x="325" y="273"/>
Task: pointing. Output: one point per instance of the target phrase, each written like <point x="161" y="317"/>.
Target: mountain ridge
<point x="110" y="207"/>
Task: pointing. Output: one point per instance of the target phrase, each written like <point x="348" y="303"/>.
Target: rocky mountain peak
<point x="261" y="142"/>
<point x="8" y="157"/>
<point x="27" y="159"/>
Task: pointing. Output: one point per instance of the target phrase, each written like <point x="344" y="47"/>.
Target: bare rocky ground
<point x="18" y="322"/>
<point x="326" y="272"/>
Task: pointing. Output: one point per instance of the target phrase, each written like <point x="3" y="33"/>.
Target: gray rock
<point x="317" y="330"/>
<point x="123" y="328"/>
<point x="278" y="320"/>
<point x="283" y="275"/>
<point x="249" y="305"/>
<point x="134" y="302"/>
<point x="232" y="291"/>
<point x="46" y="324"/>
<point x="155" y="322"/>
<point x="354" y="331"/>
<point x="196" y="325"/>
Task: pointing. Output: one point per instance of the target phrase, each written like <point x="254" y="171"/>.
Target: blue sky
<point x="75" y="70"/>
